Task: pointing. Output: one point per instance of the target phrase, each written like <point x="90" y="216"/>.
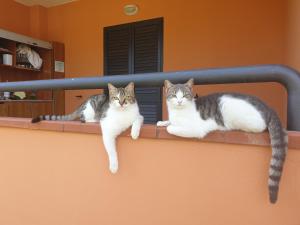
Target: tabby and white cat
<point x="195" y="117"/>
<point x="115" y="113"/>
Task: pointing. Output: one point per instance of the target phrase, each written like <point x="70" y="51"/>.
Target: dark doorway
<point x="137" y="48"/>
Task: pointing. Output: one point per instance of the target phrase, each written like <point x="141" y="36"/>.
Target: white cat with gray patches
<point x="123" y="112"/>
<point x="115" y="113"/>
<point x="195" y="117"/>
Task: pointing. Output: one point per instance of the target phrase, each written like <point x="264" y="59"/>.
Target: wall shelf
<point x="5" y="51"/>
<point x="7" y="66"/>
<point x="25" y="68"/>
<point x="20" y="68"/>
<point x="44" y="104"/>
<point x="27" y="101"/>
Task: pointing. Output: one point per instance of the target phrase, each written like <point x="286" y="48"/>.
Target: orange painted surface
<point x="53" y="178"/>
<point x="293" y="34"/>
<point x="38" y="22"/>
<point x="32" y="21"/>
<point x="197" y="34"/>
<point x="14" y="17"/>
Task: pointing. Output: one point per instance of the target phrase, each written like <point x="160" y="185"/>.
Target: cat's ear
<point x="167" y="84"/>
<point x="130" y="86"/>
<point x="111" y="87"/>
<point x="190" y="83"/>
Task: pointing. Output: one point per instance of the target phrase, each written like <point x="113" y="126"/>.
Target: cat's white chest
<point x="188" y="116"/>
<point x="116" y="120"/>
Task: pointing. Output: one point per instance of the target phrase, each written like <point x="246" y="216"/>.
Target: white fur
<point x="185" y="120"/>
<point x="238" y="114"/>
<point x="89" y="113"/>
<point x="117" y="120"/>
<point x="163" y="123"/>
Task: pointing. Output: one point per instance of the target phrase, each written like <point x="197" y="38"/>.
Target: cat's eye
<point x="115" y="98"/>
<point x="186" y="95"/>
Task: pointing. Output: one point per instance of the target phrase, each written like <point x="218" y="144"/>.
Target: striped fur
<point x="68" y="117"/>
<point x="279" y="144"/>
<point x="99" y="104"/>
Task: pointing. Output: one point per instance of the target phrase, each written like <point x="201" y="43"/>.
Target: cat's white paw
<point x="113" y="167"/>
<point x="163" y="123"/>
<point x="171" y="130"/>
<point x="202" y="135"/>
<point x="135" y="133"/>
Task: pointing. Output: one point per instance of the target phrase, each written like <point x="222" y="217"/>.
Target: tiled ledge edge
<point x="149" y="131"/>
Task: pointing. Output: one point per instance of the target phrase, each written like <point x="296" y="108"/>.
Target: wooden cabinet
<point x="42" y="108"/>
<point x="3" y="109"/>
<point x="46" y="102"/>
<point x="20" y="109"/>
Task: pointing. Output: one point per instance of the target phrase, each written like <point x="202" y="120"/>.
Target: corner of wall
<point x="39" y="22"/>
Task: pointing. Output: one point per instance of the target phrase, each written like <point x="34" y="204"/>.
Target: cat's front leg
<point x="110" y="147"/>
<point x="164" y="123"/>
<point x="136" y="127"/>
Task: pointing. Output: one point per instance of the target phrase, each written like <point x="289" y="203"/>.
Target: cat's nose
<point x="179" y="102"/>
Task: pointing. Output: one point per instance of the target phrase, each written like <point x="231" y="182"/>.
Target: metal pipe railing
<point x="286" y="76"/>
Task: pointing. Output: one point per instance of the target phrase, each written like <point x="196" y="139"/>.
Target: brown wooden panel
<point x="59" y="102"/>
<point x="41" y="109"/>
<point x="58" y="51"/>
<point x="58" y="96"/>
<point x="19" y="110"/>
<point x="3" y="109"/>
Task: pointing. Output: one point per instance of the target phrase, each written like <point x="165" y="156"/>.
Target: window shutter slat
<point x="137" y="48"/>
<point x="146" y="60"/>
<point x="117" y="48"/>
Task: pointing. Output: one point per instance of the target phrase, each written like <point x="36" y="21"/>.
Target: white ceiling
<point x="45" y="3"/>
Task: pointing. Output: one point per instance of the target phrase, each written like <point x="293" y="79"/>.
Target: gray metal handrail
<point x="284" y="75"/>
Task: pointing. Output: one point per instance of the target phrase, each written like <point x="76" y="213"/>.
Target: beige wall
<point x="62" y="178"/>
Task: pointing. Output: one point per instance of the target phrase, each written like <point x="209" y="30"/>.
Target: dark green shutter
<point x="137" y="48"/>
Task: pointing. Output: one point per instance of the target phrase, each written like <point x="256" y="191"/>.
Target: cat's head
<point x="121" y="97"/>
<point x="179" y="95"/>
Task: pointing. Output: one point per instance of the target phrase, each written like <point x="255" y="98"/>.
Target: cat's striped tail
<point x="279" y="144"/>
<point x="68" y="117"/>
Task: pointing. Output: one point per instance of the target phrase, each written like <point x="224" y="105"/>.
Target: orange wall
<point x="204" y="34"/>
<point x="38" y="22"/>
<point x="197" y="34"/>
<point x="293" y="34"/>
<point x="14" y="17"/>
<point x="32" y="21"/>
<point x="176" y="182"/>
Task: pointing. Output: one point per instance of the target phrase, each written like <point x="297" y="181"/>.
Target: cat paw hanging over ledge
<point x="115" y="113"/>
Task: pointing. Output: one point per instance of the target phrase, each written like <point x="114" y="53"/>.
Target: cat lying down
<point x="192" y="117"/>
